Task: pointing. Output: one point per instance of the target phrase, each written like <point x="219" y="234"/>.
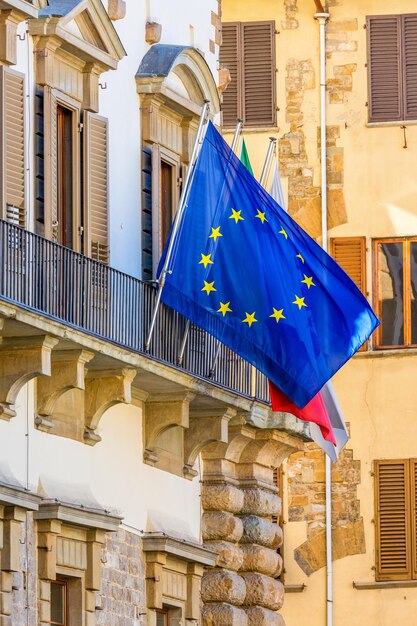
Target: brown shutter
<point x="229" y="57"/>
<point x="96" y="186"/>
<point x="413" y="489"/>
<point x="409" y="23"/>
<point x="12" y="99"/>
<point x="350" y="253"/>
<point x="259" y="73"/>
<point x="384" y="59"/>
<point x="50" y="164"/>
<point x="393" y="520"/>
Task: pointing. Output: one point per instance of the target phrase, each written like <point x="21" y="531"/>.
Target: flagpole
<point x="178" y="215"/>
<point x="267" y="164"/>
<point x="233" y="146"/>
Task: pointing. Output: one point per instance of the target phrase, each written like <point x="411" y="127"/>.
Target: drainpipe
<point x="322" y="16"/>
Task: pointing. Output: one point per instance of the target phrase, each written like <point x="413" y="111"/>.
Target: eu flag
<point x="244" y="271"/>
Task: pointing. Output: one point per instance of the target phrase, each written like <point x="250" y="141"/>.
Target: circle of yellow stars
<point x="224" y="307"/>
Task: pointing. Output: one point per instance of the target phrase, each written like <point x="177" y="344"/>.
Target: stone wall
<point x="306" y="502"/>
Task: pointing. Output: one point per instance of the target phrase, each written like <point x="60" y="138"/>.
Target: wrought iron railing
<point x="48" y="278"/>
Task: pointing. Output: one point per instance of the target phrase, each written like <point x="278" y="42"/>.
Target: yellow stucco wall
<point x="377" y="391"/>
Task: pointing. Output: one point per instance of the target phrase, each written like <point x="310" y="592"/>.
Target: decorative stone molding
<point x="205" y="427"/>
<point x="104" y="389"/>
<point x="117" y="9"/>
<point x="70" y="543"/>
<point x="21" y="359"/>
<point x="153" y="32"/>
<point x="239" y="499"/>
<point x="67" y="372"/>
<point x="164" y="412"/>
<point x="174" y="569"/>
<point x="10" y="18"/>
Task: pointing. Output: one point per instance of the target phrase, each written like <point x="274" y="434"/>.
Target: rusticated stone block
<point x="258" y="616"/>
<point x="261" y="531"/>
<point x="263" y="591"/>
<point x="223" y="587"/>
<point x="261" y="502"/>
<point x="223" y="615"/>
<point x="262" y="560"/>
<point x="222" y="498"/>
<point x="230" y="556"/>
<point x="221" y="526"/>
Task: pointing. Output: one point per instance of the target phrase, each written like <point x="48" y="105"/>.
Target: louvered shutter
<point x="393" y="520"/>
<point x="384" y="74"/>
<point x="147" y="213"/>
<point x="12" y="99"/>
<point x="96" y="186"/>
<point x="413" y="492"/>
<point x="350" y="253"/>
<point x="50" y="159"/>
<point x="409" y="24"/>
<point x="230" y="54"/>
<point x="258" y="73"/>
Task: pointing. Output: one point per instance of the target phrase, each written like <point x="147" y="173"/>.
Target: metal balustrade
<point x="43" y="276"/>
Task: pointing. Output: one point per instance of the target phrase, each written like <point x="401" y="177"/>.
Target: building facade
<point x="136" y="478"/>
<point x="272" y="51"/>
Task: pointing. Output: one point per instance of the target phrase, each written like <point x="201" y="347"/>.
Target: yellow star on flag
<point x="205" y="260"/>
<point x="236" y="215"/>
<point x="224" y="308"/>
<point x="215" y="232"/>
<point x="299" y="302"/>
<point x="308" y="280"/>
<point x="208" y="287"/>
<point x="261" y="216"/>
<point x="278" y="314"/>
<point x="250" y="318"/>
<point x="300" y="257"/>
<point x="283" y="232"/>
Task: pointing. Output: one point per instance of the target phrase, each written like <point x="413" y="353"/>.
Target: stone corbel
<point x="44" y="50"/>
<point x="195" y="573"/>
<point x="91" y="76"/>
<point x="162" y="412"/>
<point x="11" y="518"/>
<point x="104" y="389"/>
<point x="9" y="21"/>
<point x="155" y="562"/>
<point x="96" y="540"/>
<point x="48" y="531"/>
<point x="206" y="426"/>
<point x="21" y="359"/>
<point x="67" y="372"/>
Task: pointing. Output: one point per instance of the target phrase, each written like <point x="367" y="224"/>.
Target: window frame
<point x="240" y="54"/>
<point x="402" y="92"/>
<point x="378" y="345"/>
<point x="62" y="583"/>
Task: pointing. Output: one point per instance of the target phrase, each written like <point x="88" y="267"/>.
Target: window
<point x="248" y="51"/>
<point x="396" y="528"/>
<point x="395" y="292"/>
<point x="392" y="67"/>
<point x="65" y="149"/>
<point x="59" y="603"/>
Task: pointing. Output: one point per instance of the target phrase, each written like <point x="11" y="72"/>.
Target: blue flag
<point x="244" y="271"/>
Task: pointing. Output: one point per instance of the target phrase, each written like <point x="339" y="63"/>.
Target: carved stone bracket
<point x="21" y="359"/>
<point x="162" y="412"/>
<point x="67" y="372"/>
<point x="9" y="21"/>
<point x="206" y="426"/>
<point x="104" y="389"/>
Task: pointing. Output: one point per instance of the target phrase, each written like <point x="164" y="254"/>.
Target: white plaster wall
<point x="111" y="473"/>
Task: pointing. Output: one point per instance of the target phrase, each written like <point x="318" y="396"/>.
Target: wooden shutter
<point x="258" y="81"/>
<point x="393" y="520"/>
<point x="413" y="490"/>
<point x="230" y="53"/>
<point x="147" y="213"/>
<point x="96" y="186"/>
<point x="350" y="253"/>
<point x="12" y="102"/>
<point x="409" y="32"/>
<point x="384" y="74"/>
<point x="50" y="162"/>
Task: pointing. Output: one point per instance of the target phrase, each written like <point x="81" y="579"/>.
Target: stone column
<point x="239" y="498"/>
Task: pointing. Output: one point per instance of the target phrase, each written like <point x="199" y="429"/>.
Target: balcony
<point x="45" y="278"/>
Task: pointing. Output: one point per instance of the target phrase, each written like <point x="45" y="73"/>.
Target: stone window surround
<point x="176" y="562"/>
<point x="70" y="544"/>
